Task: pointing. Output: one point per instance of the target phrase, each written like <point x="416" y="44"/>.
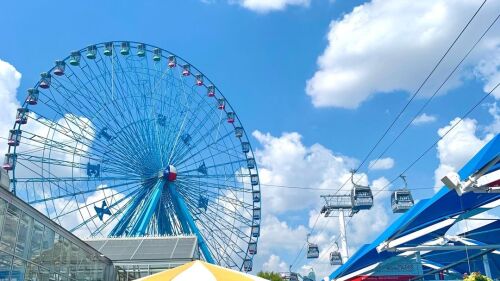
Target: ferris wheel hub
<point x="169" y="173"/>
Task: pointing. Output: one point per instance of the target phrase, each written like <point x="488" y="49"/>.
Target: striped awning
<point x="202" y="271"/>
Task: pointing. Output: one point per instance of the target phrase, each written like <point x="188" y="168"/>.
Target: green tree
<point x="273" y="276"/>
<point x="476" y="276"/>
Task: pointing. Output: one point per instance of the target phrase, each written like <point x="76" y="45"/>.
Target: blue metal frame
<point x="443" y="205"/>
<point x="184" y="213"/>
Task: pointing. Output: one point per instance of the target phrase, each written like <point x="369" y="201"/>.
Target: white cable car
<point x="312" y="249"/>
<point x="401" y="199"/>
<point x="335" y="256"/>
<point x="361" y="196"/>
<point x="289" y="276"/>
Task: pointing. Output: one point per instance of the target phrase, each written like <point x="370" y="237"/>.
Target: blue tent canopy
<point x="428" y="217"/>
<point x="489" y="233"/>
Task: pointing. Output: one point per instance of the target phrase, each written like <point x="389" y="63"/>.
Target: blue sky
<point x="262" y="59"/>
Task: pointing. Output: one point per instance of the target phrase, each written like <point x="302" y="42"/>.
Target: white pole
<point x="343" y="239"/>
<point x="486" y="264"/>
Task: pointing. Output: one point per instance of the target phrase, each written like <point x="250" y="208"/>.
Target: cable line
<point x="434" y="94"/>
<point x="401" y="112"/>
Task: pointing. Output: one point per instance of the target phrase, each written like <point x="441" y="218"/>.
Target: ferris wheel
<point x="124" y="139"/>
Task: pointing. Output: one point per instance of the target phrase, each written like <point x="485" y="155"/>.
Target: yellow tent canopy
<point x="201" y="271"/>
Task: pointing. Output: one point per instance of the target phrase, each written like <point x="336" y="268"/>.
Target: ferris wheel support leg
<point x="122" y="225"/>
<point x="141" y="225"/>
<point x="184" y="212"/>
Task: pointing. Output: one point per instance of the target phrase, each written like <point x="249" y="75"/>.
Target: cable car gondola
<point x="361" y="196"/>
<point x="401" y="199"/>
<point x="289" y="276"/>
<point x="335" y="256"/>
<point x="312" y="249"/>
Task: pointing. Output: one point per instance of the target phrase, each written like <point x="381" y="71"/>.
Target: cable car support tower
<point x="342" y="205"/>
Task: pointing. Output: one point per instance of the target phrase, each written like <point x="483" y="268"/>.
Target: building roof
<point x="151" y="249"/>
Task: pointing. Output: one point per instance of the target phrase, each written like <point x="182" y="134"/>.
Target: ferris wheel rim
<point x="243" y="139"/>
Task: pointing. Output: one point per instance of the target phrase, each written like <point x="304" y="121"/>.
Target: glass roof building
<point x="33" y="247"/>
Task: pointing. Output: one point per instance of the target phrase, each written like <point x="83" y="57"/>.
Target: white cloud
<point x="286" y="161"/>
<point x="390" y="45"/>
<point x="9" y="82"/>
<point x="424" y="118"/>
<point x="494" y="111"/>
<point x="382" y="164"/>
<point x="276" y="234"/>
<point x="265" y="6"/>
<point x="275" y="264"/>
<point x="488" y="68"/>
<point x="458" y="147"/>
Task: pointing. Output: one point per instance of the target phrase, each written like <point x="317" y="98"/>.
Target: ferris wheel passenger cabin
<point x="9" y="162"/>
<point x="91" y="52"/>
<point x="172" y="62"/>
<point x="45" y="80"/>
<point x="32" y="98"/>
<point x="125" y="50"/>
<point x="22" y="115"/>
<point x="74" y="58"/>
<point x="14" y="137"/>
<point x="60" y="67"/>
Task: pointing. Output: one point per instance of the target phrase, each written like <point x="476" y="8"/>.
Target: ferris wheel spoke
<point x="110" y="123"/>
<point x="217" y="198"/>
<point x="211" y="145"/>
<point x="117" y="202"/>
<point x="71" y="122"/>
<point x="214" y="166"/>
<point x="210" y="187"/>
<point x="212" y="212"/>
<point x="215" y="188"/>
<point x="221" y="250"/>
<point x="87" y="204"/>
<point x="201" y="123"/>
<point x="73" y="179"/>
<point x="76" y="98"/>
<point x="130" y="214"/>
<point x="216" y="228"/>
<point x="105" y="187"/>
<point x="225" y="210"/>
<point x="114" y="217"/>
<point x="110" y="116"/>
<point x="57" y="185"/>
<point x="63" y="130"/>
<point x="212" y="176"/>
<point x="62" y="163"/>
<point x="203" y="137"/>
<point x="102" y="103"/>
<point x="134" y="106"/>
<point x="152" y="113"/>
<point x="71" y="147"/>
